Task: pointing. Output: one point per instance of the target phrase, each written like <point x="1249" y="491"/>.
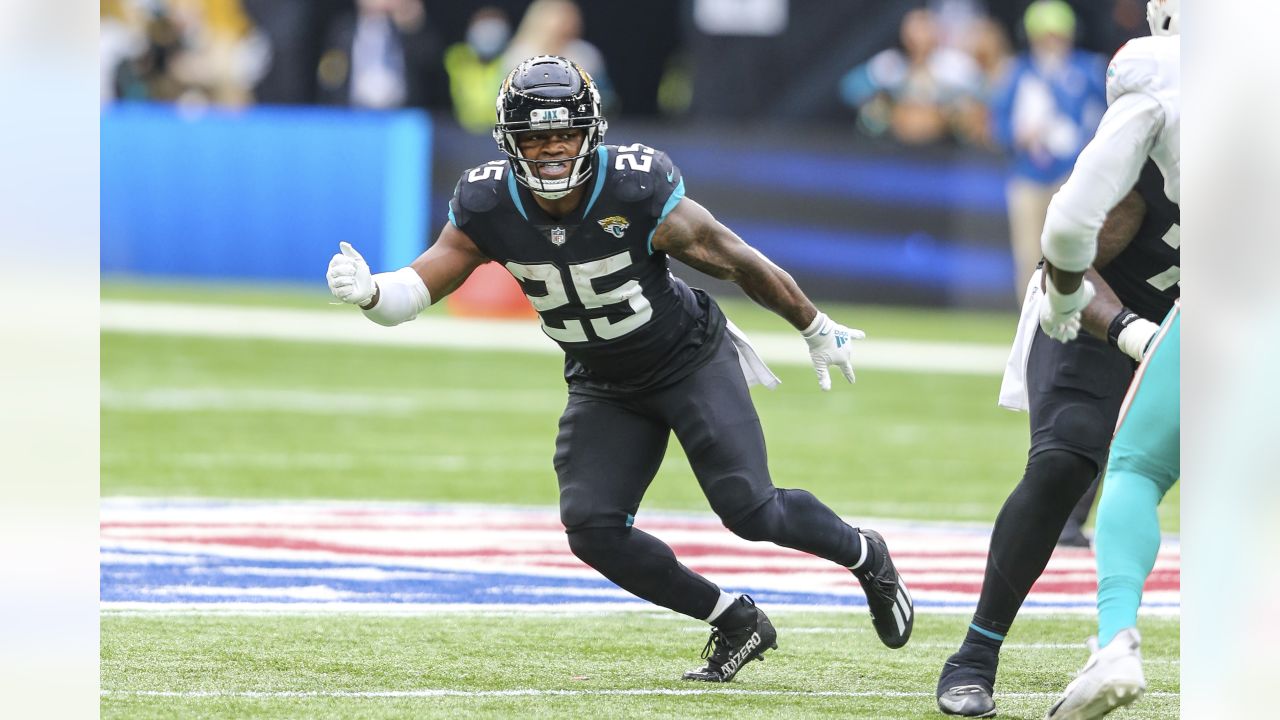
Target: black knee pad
<point x="767" y="522"/>
<point x="596" y="546"/>
<point x="1085" y="426"/>
<point x="798" y="520"/>
<point x="760" y="524"/>
<point x="1061" y="474"/>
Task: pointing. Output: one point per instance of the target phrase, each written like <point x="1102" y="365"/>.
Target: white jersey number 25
<point x="581" y="275"/>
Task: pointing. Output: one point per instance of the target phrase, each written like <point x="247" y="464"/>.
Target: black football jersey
<point x="604" y="294"/>
<point x="1145" y="276"/>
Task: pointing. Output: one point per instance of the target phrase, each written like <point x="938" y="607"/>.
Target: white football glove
<point x="830" y="343"/>
<point x="1135" y="338"/>
<point x="1060" y="314"/>
<point x="349" y="278"/>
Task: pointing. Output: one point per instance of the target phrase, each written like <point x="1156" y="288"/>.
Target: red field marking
<point x="944" y="564"/>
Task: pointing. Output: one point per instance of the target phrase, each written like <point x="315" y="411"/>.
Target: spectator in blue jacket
<point x="921" y="93"/>
<point x="1043" y="113"/>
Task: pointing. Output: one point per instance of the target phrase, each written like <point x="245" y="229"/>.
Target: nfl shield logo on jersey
<point x="557" y="236"/>
<point x="615" y="225"/>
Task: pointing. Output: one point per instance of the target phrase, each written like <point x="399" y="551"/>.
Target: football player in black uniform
<point x="587" y="228"/>
<point x="1073" y="392"/>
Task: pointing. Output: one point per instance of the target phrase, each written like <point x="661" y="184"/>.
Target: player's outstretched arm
<point x="448" y="262"/>
<point x="391" y="298"/>
<point x="692" y="235"/>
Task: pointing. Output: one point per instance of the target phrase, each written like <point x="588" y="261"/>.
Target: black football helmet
<point x="544" y="93"/>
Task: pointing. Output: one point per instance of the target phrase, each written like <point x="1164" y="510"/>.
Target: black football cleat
<point x="729" y="648"/>
<point x="967" y="701"/>
<point x="892" y="612"/>
<point x="967" y="683"/>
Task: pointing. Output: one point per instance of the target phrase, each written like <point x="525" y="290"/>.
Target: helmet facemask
<point x="549" y="93"/>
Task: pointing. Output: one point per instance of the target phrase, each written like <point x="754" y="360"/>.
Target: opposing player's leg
<point x="1144" y="464"/>
<point x="716" y="424"/>
<point x="1075" y="390"/>
<point x="607" y="453"/>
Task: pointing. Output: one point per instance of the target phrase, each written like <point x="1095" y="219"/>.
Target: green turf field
<point x="253" y="418"/>
<point x="827" y="665"/>
<point x="237" y="418"/>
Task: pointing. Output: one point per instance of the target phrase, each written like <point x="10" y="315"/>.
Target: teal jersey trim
<point x="987" y="633"/>
<point x="451" y="220"/>
<point x="631" y="519"/>
<point x="515" y="196"/>
<point x="676" y="196"/>
<point x="600" y="170"/>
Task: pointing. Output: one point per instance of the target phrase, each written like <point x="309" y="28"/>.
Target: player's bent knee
<point x="1085" y="426"/>
<point x="767" y="522"/>
<point x="595" y="545"/>
<point x="1062" y="468"/>
<point x="1057" y="478"/>
<point x="1146" y="466"/>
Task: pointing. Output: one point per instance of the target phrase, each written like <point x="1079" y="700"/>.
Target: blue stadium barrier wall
<point x="851" y="220"/>
<point x="268" y="193"/>
<point x="264" y="193"/>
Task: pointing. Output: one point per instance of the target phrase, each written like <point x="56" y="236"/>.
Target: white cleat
<point x="1111" y="679"/>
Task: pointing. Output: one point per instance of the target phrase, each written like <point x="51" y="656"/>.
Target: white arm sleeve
<point x="1106" y="170"/>
<point x="401" y="296"/>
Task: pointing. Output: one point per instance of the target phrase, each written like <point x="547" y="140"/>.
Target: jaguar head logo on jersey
<point x="548" y="93"/>
<point x="615" y="225"/>
<point x="558" y="236"/>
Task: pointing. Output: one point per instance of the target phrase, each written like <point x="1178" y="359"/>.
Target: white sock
<point x="862" y="539"/>
<point x="721" y="605"/>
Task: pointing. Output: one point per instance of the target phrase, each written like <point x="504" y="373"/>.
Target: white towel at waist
<point x="1013" y="388"/>
<point x="753" y="368"/>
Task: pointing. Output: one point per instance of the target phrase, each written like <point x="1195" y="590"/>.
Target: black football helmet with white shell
<point x="549" y="92"/>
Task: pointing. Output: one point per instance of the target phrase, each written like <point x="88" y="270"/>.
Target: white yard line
<point x="489" y="610"/>
<point x="436" y="329"/>
<point x="329" y="402"/>
<point x="533" y="692"/>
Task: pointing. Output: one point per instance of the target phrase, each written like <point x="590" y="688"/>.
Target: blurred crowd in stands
<point x="1021" y="80"/>
<point x="374" y="54"/>
<point x="991" y="74"/>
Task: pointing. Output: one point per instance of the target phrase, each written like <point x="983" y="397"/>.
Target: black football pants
<point x="609" y="449"/>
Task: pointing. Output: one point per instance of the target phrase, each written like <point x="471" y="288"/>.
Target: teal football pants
<point x="1144" y="464"/>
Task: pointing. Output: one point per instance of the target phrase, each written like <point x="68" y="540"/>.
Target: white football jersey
<point x="1150" y="65"/>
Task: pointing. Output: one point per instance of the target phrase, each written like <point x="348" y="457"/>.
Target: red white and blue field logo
<point x="238" y="555"/>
